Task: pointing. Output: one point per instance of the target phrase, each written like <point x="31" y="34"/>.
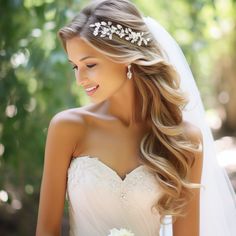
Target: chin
<point x="97" y="100"/>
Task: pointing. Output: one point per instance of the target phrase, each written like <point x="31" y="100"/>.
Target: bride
<point x="140" y="156"/>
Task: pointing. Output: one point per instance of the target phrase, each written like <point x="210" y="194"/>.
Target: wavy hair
<point x="165" y="150"/>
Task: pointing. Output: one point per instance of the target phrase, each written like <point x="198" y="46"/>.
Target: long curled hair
<point x="165" y="150"/>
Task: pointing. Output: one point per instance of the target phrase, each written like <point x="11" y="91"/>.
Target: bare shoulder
<point x="70" y="116"/>
<point x="69" y="119"/>
<point x="73" y="116"/>
<point x="193" y="132"/>
<point x="68" y="124"/>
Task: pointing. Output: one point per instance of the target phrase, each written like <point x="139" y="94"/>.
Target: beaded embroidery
<point x="118" y="186"/>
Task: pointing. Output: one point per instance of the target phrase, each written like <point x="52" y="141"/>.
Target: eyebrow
<point x="82" y="59"/>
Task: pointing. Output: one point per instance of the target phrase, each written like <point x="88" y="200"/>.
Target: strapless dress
<point x="100" y="200"/>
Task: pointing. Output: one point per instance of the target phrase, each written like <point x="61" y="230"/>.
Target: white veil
<point x="217" y="198"/>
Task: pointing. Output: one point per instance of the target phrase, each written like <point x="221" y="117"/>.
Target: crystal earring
<point x="129" y="73"/>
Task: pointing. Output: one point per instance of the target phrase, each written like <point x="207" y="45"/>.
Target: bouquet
<point x="121" y="232"/>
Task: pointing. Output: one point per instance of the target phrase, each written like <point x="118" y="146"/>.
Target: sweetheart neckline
<point x="110" y="169"/>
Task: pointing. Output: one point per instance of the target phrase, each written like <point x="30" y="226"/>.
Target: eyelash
<point x="89" y="66"/>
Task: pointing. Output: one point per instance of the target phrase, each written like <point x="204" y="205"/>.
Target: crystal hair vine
<point x="107" y="29"/>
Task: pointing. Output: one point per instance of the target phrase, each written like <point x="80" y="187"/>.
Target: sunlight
<point x="226" y="151"/>
<point x="3" y="196"/>
<point x="227" y="157"/>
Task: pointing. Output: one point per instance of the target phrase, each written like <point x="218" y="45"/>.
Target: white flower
<point x="121" y="232"/>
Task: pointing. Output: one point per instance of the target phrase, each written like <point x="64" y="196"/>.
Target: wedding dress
<point x="99" y="199"/>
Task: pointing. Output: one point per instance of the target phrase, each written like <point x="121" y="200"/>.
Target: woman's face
<point x="96" y="70"/>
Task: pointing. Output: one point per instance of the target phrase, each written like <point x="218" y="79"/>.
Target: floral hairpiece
<point x="107" y="29"/>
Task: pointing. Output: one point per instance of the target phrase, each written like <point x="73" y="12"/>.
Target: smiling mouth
<point x="92" y="91"/>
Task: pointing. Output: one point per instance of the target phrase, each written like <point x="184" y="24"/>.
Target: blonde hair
<point x="165" y="149"/>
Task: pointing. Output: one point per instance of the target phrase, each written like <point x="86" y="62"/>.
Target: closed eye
<point x="89" y="66"/>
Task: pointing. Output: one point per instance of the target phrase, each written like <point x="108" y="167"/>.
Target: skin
<point x="89" y="130"/>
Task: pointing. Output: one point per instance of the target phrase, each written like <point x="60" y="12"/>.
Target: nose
<point x="80" y="77"/>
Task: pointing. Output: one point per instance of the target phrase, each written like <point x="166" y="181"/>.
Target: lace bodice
<point x="100" y="200"/>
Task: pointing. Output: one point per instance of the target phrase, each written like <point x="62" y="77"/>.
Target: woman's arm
<point x="189" y="225"/>
<point x="62" y="138"/>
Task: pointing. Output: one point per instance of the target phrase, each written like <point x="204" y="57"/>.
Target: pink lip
<point x="90" y="93"/>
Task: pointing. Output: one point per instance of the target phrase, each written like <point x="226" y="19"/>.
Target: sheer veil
<point x="218" y="201"/>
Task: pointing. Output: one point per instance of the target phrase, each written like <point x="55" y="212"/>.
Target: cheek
<point x="116" y="73"/>
<point x="119" y="74"/>
<point x="107" y="76"/>
<point x="98" y="75"/>
<point x="93" y="74"/>
<point x="113" y="80"/>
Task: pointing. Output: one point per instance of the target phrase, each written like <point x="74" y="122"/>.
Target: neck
<point x="124" y="104"/>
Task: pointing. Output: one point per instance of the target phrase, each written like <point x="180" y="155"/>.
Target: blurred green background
<point x="36" y="82"/>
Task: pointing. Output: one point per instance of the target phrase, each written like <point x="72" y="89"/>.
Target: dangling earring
<point x="129" y="73"/>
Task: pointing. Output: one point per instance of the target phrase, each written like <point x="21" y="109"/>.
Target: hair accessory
<point x="129" y="73"/>
<point x="107" y="29"/>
